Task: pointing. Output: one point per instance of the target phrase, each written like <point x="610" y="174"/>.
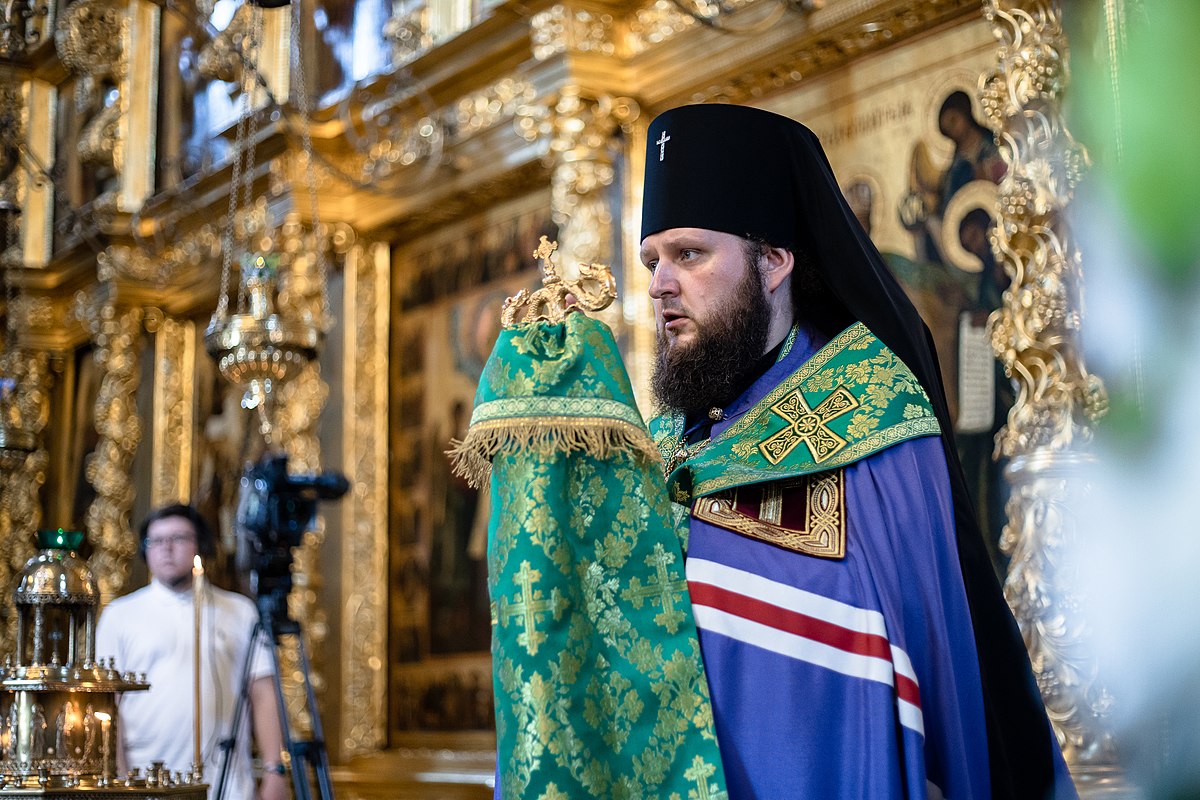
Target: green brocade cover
<point x="600" y="688"/>
<point x="851" y="399"/>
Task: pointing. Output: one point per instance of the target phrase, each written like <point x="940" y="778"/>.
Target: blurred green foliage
<point x="1158" y="172"/>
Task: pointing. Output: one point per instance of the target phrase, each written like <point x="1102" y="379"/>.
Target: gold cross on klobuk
<point x="808" y="425"/>
<point x="661" y="590"/>
<point x="530" y="607"/>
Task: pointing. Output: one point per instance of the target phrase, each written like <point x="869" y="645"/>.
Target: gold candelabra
<point x="58" y="706"/>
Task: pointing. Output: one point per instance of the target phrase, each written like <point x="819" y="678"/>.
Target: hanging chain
<point x="243" y="151"/>
<point x="300" y="92"/>
<point x="252" y="56"/>
<point x="239" y="140"/>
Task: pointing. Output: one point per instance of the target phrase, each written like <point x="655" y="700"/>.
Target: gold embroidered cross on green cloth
<point x="854" y="397"/>
<point x="600" y="688"/>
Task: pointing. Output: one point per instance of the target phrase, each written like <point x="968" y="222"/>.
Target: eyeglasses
<point x="179" y="538"/>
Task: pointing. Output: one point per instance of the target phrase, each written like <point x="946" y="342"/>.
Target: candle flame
<point x="102" y="716"/>
<point x="197" y="567"/>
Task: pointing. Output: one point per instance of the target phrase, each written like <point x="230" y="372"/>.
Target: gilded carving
<point x="98" y="141"/>
<point x="364" y="510"/>
<point x="832" y="41"/>
<point x="12" y="139"/>
<point x="579" y="130"/>
<point x="296" y="409"/>
<point x="91" y="38"/>
<point x="174" y="417"/>
<point x="25" y="408"/>
<point x="1042" y="538"/>
<point x="1035" y="335"/>
<point x="222" y="57"/>
<point x="117" y="335"/>
<point x="655" y="23"/>
<point x="295" y="427"/>
<point x="88" y="36"/>
<point x="32" y="311"/>
<point x="304" y="256"/>
<point x="560" y="29"/>
<point x="157" y="265"/>
<point x="258" y="227"/>
<point x="22" y="27"/>
<point x="481" y="110"/>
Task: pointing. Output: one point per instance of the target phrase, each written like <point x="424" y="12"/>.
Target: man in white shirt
<point x="152" y="630"/>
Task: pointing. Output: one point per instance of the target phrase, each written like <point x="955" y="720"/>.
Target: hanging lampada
<point x="256" y="347"/>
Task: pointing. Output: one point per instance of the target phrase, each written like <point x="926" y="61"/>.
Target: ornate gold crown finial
<point x="544" y="252"/>
<point x="593" y="291"/>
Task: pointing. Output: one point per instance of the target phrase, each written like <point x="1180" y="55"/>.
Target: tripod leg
<point x="295" y="749"/>
<point x="317" y="753"/>
<point x="309" y="754"/>
<point x="243" y="702"/>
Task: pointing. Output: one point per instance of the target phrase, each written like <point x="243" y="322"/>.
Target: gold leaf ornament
<point x="593" y="291"/>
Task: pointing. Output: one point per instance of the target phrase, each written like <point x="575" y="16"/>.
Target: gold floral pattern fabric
<point x="600" y="687"/>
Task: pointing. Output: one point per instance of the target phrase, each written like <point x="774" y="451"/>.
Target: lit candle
<point x="197" y="597"/>
<point x="105" y="752"/>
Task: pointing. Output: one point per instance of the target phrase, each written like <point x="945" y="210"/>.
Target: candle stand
<point x="58" y="714"/>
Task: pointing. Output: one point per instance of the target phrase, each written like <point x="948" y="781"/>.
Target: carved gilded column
<point x="1035" y="333"/>
<point x="302" y="293"/>
<point x="298" y="406"/>
<point x="365" y="509"/>
<point x="587" y="129"/>
<point x="27" y="409"/>
<point x="117" y="334"/>
<point x="579" y="129"/>
<point x="172" y="438"/>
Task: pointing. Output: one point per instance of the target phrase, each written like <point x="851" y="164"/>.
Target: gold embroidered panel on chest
<point x="805" y="514"/>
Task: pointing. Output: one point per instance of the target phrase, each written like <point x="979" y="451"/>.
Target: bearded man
<point x="853" y="632"/>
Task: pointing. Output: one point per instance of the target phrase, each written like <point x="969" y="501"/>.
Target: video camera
<point x="274" y="511"/>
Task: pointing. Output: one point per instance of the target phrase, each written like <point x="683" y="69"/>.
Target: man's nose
<point x="663" y="282"/>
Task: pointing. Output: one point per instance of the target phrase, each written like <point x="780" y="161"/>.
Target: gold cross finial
<point x="544" y="252"/>
<point x="592" y="291"/>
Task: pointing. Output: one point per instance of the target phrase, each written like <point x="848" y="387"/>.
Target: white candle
<point x="105" y="752"/>
<point x="197" y="604"/>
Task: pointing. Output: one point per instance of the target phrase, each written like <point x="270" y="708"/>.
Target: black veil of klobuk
<point x="756" y="174"/>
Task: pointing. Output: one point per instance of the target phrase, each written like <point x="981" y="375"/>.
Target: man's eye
<point x="652" y="265"/>
<point x="686" y="254"/>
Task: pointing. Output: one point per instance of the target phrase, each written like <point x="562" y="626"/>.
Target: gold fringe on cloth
<point x="598" y="437"/>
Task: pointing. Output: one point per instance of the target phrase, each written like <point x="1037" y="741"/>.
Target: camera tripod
<point x="309" y="755"/>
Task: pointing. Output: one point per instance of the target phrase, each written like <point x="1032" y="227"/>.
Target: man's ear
<point x="777" y="264"/>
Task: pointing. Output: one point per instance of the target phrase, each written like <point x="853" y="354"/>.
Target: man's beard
<point x="713" y="370"/>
